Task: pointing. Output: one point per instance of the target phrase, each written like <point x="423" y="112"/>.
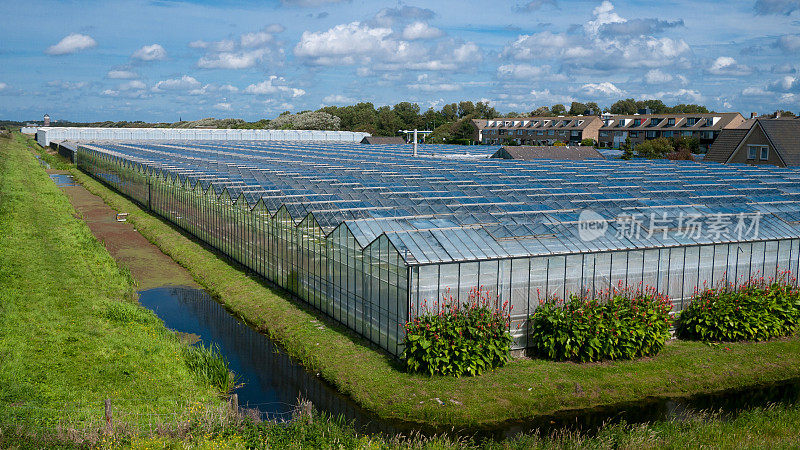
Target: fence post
<point x="235" y="403"/>
<point x="109" y="419"/>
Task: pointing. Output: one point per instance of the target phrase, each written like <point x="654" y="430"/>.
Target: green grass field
<point x="71" y="334"/>
<point x="523" y="388"/>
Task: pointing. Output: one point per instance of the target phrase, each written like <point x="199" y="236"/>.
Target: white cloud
<point x="421" y="30"/>
<point x="110" y="93"/>
<point x="153" y="52"/>
<point x="684" y="94"/>
<point x="338" y="99"/>
<point x="434" y="87"/>
<point x="269" y="86"/>
<point x="229" y="60"/>
<point x="725" y="65"/>
<point x="175" y="84"/>
<point x="68" y="85"/>
<point x="655" y="76"/>
<point x="223" y="106"/>
<point x="785" y="84"/>
<point x="228" y="88"/>
<point x="256" y="39"/>
<point x="121" y="75"/>
<point x="754" y="91"/>
<point x="603" y="15"/>
<point x="545" y="96"/>
<point x="343" y="42"/>
<point x="3" y="86"/>
<point x="70" y="44"/>
<point x="596" y="50"/>
<point x="132" y="85"/>
<point x="605" y="88"/>
<point x="789" y="43"/>
<point x="528" y="72"/>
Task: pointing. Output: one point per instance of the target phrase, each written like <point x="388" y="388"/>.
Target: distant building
<point x="759" y="141"/>
<point x="537" y="131"/>
<point x="616" y="129"/>
<point x="383" y="140"/>
<point x="46" y="120"/>
<point x="572" y="153"/>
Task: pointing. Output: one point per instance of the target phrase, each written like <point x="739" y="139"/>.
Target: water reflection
<point x="273" y="382"/>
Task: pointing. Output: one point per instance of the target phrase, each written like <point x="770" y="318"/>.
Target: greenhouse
<point x="366" y="234"/>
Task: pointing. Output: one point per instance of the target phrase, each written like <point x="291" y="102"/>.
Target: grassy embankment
<point x="522" y="389"/>
<point x="71" y="334"/>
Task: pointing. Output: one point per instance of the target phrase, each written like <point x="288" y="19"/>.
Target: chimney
<point x="777" y="114"/>
<point x="753" y="115"/>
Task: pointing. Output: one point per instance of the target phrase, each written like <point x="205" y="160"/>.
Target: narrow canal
<point x="272" y="382"/>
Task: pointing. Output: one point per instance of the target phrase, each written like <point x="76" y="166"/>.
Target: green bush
<point x="754" y="311"/>
<point x="452" y="338"/>
<point x="623" y="323"/>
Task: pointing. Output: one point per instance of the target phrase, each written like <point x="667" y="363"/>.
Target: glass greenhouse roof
<point x="454" y="203"/>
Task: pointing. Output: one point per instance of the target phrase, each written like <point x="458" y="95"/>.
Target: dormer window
<point x="709" y="121"/>
<point x="691" y="121"/>
<point x="655" y="121"/>
<point x="637" y="122"/>
<point x="671" y="122"/>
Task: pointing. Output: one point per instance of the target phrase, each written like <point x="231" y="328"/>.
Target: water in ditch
<point x="272" y="382"/>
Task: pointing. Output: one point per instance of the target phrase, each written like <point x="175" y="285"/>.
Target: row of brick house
<point x="608" y="130"/>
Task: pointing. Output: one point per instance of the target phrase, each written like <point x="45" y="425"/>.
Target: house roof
<point x="725" y="144"/>
<point x="528" y="153"/>
<point x="563" y="122"/>
<point x="383" y="140"/>
<point x="660" y="122"/>
<point x="785" y="136"/>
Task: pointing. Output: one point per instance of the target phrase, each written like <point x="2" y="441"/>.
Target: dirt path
<point x="148" y="265"/>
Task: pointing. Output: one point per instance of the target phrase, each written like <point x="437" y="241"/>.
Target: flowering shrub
<point x="622" y="323"/>
<point x="757" y="310"/>
<point x="459" y="339"/>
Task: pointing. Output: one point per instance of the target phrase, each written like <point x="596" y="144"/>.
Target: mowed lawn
<point x="524" y="388"/>
<point x="71" y="334"/>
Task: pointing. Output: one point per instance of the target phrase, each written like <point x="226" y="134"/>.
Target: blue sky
<point x="164" y="60"/>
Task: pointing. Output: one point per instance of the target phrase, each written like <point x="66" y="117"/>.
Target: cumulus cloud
<point x="785" y="84"/>
<point x="273" y="85"/>
<point x="545" y="96"/>
<point x="177" y="84"/>
<point x="338" y="99"/>
<point x="589" y="47"/>
<point x="605" y="88"/>
<point x="529" y="72"/>
<point x="68" y="85"/>
<point x="789" y="43"/>
<point x="132" y="85"/>
<point x="637" y="27"/>
<point x="223" y="106"/>
<point x="754" y="91"/>
<point x="655" y="76"/>
<point x="725" y="65"/>
<point x="3" y="86"/>
<point x="380" y="48"/>
<point x="388" y="17"/>
<point x="421" y="30"/>
<point x="247" y="51"/>
<point x="232" y="60"/>
<point x="434" y="87"/>
<point x="153" y="52"/>
<point x="116" y="74"/>
<point x="785" y="7"/>
<point x="680" y="94"/>
<point x="70" y="44"/>
<point x="535" y="5"/>
<point x="309" y="3"/>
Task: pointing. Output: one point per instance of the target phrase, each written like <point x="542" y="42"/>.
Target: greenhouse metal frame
<point x="366" y="234"/>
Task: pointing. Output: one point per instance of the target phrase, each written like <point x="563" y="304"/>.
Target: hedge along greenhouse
<point x="366" y="234"/>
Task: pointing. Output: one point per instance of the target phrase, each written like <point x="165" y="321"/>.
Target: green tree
<point x="627" y="106"/>
<point x="655" y="148"/>
<point x="484" y="111"/>
<point x="558" y="109"/>
<point x="541" y="111"/>
<point x="577" y="108"/>
<point x="593" y="107"/>
<point x="408" y="113"/>
<point x="589" y="142"/>
<point x="450" y="112"/>
<point x="465" y="109"/>
<point x="627" y="149"/>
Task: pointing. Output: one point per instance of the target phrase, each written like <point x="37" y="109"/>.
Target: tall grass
<point x="209" y="365"/>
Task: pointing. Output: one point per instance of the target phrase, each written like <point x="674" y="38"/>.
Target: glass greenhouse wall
<point x="367" y="235"/>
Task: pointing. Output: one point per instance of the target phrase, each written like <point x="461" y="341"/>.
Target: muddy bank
<point x="148" y="265"/>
